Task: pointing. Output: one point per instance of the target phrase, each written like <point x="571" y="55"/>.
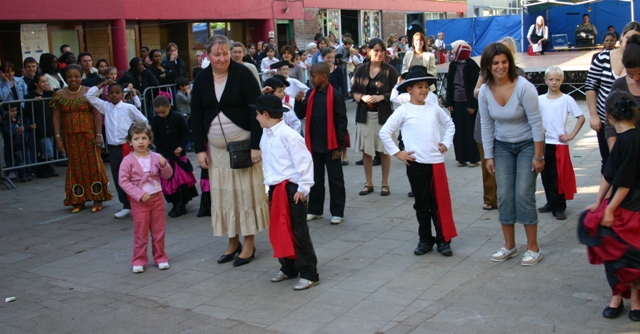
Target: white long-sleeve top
<point x="291" y="119"/>
<point x="265" y="67"/>
<point x="420" y="131"/>
<point x="117" y="117"/>
<point x="295" y="86"/>
<point x="285" y="157"/>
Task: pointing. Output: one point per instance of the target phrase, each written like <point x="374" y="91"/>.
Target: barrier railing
<point x="27" y="139"/>
<point x="150" y="93"/>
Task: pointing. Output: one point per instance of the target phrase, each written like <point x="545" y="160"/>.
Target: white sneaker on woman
<point x="504" y="254"/>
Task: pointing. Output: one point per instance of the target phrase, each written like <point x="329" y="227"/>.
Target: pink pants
<point x="148" y="217"/>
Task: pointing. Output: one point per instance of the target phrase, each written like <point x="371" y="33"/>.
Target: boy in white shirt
<point x="424" y="156"/>
<point x="558" y="177"/>
<point x="276" y="86"/>
<point x="288" y="171"/>
<point x="118" y="117"/>
<point x="294" y="86"/>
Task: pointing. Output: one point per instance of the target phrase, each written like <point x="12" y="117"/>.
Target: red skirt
<point x="617" y="247"/>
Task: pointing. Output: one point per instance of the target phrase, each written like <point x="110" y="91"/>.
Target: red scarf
<point x="332" y="142"/>
<point x="566" y="175"/>
<point x="443" y="198"/>
<point x="280" y="233"/>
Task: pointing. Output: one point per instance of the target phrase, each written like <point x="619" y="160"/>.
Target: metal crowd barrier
<point x="26" y="143"/>
<point x="150" y="93"/>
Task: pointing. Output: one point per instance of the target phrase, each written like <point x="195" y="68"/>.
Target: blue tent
<point x="563" y="19"/>
<point x="479" y="31"/>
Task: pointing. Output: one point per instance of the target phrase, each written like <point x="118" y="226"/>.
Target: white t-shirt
<point x="554" y="116"/>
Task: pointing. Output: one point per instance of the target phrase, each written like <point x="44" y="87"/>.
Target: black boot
<point x="205" y="204"/>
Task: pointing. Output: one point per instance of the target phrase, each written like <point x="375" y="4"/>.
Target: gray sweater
<point x="519" y="120"/>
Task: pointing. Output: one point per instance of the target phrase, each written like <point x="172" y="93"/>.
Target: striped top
<point x="600" y="78"/>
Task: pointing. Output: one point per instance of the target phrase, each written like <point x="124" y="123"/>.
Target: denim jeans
<point x="516" y="182"/>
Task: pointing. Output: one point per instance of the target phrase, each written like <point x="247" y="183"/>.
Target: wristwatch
<point x="538" y="159"/>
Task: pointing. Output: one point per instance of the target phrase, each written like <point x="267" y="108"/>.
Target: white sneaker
<point x="304" y="284"/>
<point x="530" y="258"/>
<point x="124" y="213"/>
<point x="335" y="220"/>
<point x="503" y="254"/>
<point x="12" y="175"/>
<point x="163" y="265"/>
<point x="138" y="269"/>
<point x="311" y="217"/>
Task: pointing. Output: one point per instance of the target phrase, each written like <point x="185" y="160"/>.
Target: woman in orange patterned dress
<point x="81" y="139"/>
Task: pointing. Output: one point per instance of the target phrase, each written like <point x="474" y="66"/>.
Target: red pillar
<point x="119" y="38"/>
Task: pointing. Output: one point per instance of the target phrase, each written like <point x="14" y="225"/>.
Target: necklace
<point x="220" y="75"/>
<point x="635" y="85"/>
<point x="79" y="88"/>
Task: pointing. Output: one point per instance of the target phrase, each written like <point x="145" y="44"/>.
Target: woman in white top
<point x="49" y="67"/>
<point x="538" y="36"/>
<point x="419" y="55"/>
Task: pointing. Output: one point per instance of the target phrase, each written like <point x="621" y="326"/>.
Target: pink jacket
<point x="131" y="177"/>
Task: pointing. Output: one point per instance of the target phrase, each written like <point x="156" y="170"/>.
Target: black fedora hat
<point x="414" y="68"/>
<point x="281" y="63"/>
<point x="270" y="103"/>
<point x="415" y="77"/>
<point x="281" y="78"/>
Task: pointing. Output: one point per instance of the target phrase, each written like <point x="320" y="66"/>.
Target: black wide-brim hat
<point x="414" y="77"/>
<point x="414" y="68"/>
<point x="281" y="78"/>
<point x="281" y="63"/>
<point x="269" y="103"/>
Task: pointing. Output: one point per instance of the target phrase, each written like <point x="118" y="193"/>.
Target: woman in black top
<point x="220" y="113"/>
<point x="165" y="76"/>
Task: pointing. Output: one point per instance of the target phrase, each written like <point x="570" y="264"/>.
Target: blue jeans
<point x="516" y="182"/>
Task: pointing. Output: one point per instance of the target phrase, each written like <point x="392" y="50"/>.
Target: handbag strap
<point x="218" y="116"/>
<point x="221" y="129"/>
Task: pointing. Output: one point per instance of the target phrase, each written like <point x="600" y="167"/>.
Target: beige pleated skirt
<point x="239" y="204"/>
<point x="367" y="136"/>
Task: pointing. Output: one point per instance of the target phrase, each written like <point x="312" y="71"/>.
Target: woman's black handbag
<point x="239" y="151"/>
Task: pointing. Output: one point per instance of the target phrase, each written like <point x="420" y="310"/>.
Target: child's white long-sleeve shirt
<point x="420" y="131"/>
<point x="117" y="117"/>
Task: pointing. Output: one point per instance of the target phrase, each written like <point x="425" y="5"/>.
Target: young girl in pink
<point x="139" y="177"/>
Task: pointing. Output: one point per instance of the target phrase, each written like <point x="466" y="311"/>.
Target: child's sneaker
<point x="163" y="265"/>
<point x="138" y="269"/>
<point x="530" y="258"/>
<point x="311" y="217"/>
<point x="335" y="220"/>
<point x="503" y="254"/>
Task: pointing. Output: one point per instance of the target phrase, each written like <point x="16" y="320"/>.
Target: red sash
<point x="280" y="224"/>
<point x="332" y="141"/>
<point x="443" y="199"/>
<point x="566" y="175"/>
<point x="286" y="98"/>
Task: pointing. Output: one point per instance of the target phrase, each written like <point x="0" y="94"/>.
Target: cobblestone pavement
<point x="70" y="273"/>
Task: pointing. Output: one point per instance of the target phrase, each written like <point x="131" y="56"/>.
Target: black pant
<point x="115" y="158"/>
<point x="337" y="193"/>
<point x="306" y="262"/>
<point x="545" y="44"/>
<point x="464" y="145"/>
<point x="421" y="182"/>
<point x="603" y="146"/>
<point x="550" y="180"/>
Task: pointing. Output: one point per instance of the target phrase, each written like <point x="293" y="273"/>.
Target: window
<point x="370" y="25"/>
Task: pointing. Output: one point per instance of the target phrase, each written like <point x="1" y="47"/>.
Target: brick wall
<point x="393" y="22"/>
<point x="97" y="36"/>
<point x="305" y="30"/>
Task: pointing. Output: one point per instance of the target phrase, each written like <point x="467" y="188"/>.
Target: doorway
<point x="284" y="33"/>
<point x="350" y="24"/>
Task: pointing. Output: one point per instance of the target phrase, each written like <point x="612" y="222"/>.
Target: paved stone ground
<point x="71" y="273"/>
